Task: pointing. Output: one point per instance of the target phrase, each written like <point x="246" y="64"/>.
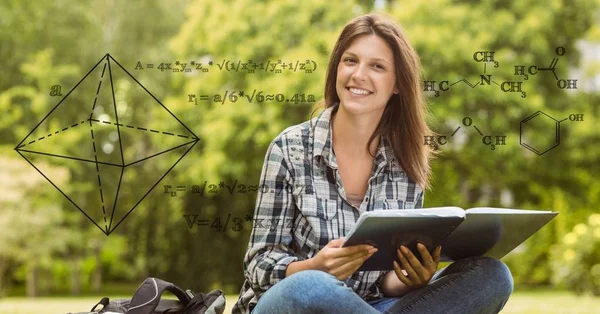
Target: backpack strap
<point x="206" y="303"/>
<point x="104" y="302"/>
<point x="148" y="294"/>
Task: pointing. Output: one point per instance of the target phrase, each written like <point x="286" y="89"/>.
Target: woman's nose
<point x="359" y="73"/>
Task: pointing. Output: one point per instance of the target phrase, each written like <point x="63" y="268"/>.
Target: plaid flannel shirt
<point x="302" y="205"/>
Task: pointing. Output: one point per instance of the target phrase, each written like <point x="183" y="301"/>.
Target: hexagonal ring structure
<point x="539" y="144"/>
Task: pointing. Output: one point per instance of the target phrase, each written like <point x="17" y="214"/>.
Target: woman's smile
<point x="366" y="66"/>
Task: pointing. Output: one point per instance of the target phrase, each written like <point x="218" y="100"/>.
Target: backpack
<point x="147" y="300"/>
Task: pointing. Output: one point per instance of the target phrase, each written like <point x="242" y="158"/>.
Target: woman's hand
<point x="342" y="261"/>
<point x="418" y="275"/>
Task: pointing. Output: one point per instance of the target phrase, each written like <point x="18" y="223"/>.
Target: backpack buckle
<point x="189" y="293"/>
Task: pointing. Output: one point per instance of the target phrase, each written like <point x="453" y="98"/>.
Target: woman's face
<point x="366" y="75"/>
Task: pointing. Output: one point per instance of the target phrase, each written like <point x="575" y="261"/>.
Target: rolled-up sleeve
<point x="269" y="251"/>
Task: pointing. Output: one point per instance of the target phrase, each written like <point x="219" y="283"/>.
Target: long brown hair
<point x="403" y="119"/>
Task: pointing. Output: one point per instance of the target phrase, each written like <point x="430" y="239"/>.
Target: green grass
<point x="521" y="302"/>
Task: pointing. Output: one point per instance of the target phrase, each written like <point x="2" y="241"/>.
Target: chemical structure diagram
<point x="538" y="132"/>
<point x="436" y="141"/>
<point x="525" y="72"/>
<point x="541" y="144"/>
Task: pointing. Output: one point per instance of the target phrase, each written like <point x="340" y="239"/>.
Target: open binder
<point x="481" y="231"/>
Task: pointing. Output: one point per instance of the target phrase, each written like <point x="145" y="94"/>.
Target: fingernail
<point x="373" y="250"/>
<point x="404" y="249"/>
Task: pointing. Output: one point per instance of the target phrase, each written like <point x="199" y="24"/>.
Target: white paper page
<point x="492" y="210"/>
<point x="422" y="212"/>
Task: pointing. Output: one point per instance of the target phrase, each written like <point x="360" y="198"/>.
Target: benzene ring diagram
<point x="115" y="137"/>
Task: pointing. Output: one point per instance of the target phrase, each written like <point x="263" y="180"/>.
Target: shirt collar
<point x="321" y="132"/>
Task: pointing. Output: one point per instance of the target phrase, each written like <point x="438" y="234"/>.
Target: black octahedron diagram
<point x="102" y="108"/>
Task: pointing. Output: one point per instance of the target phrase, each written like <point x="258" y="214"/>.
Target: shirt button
<point x="366" y="199"/>
<point x="293" y="148"/>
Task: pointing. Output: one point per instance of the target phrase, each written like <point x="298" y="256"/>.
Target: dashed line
<point x="102" y="199"/>
<point x="138" y="127"/>
<point x="110" y="123"/>
<point x="99" y="180"/>
<point x="94" y="106"/>
<point x="50" y="134"/>
<point x="94" y="144"/>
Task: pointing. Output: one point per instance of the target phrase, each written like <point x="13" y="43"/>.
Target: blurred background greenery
<point x="48" y="248"/>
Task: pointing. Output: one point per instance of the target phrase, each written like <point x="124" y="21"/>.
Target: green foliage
<point x="470" y="174"/>
<point x="576" y="258"/>
<point x="56" y="42"/>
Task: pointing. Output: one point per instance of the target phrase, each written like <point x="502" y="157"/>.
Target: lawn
<point x="521" y="302"/>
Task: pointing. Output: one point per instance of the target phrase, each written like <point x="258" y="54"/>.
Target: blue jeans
<point x="470" y="285"/>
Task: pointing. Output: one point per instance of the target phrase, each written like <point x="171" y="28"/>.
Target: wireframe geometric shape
<point x="529" y="133"/>
<point x="115" y="147"/>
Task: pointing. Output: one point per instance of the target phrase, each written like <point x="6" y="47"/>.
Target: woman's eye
<point x="349" y="60"/>
<point x="379" y="66"/>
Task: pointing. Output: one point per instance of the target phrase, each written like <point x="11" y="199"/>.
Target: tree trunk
<point x="76" y="278"/>
<point x="32" y="278"/>
<point x="2" y="273"/>
<point x="97" y="279"/>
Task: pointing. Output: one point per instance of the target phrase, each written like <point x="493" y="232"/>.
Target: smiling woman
<point x="363" y="151"/>
<point x="366" y="70"/>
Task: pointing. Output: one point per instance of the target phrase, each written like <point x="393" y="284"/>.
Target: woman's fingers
<point x="405" y="280"/>
<point x="428" y="261"/>
<point x="421" y="272"/>
<point x="364" y="255"/>
<point x="359" y="254"/>
<point x="351" y="251"/>
<point x="436" y="254"/>
<point x="348" y="268"/>
<point x="412" y="274"/>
